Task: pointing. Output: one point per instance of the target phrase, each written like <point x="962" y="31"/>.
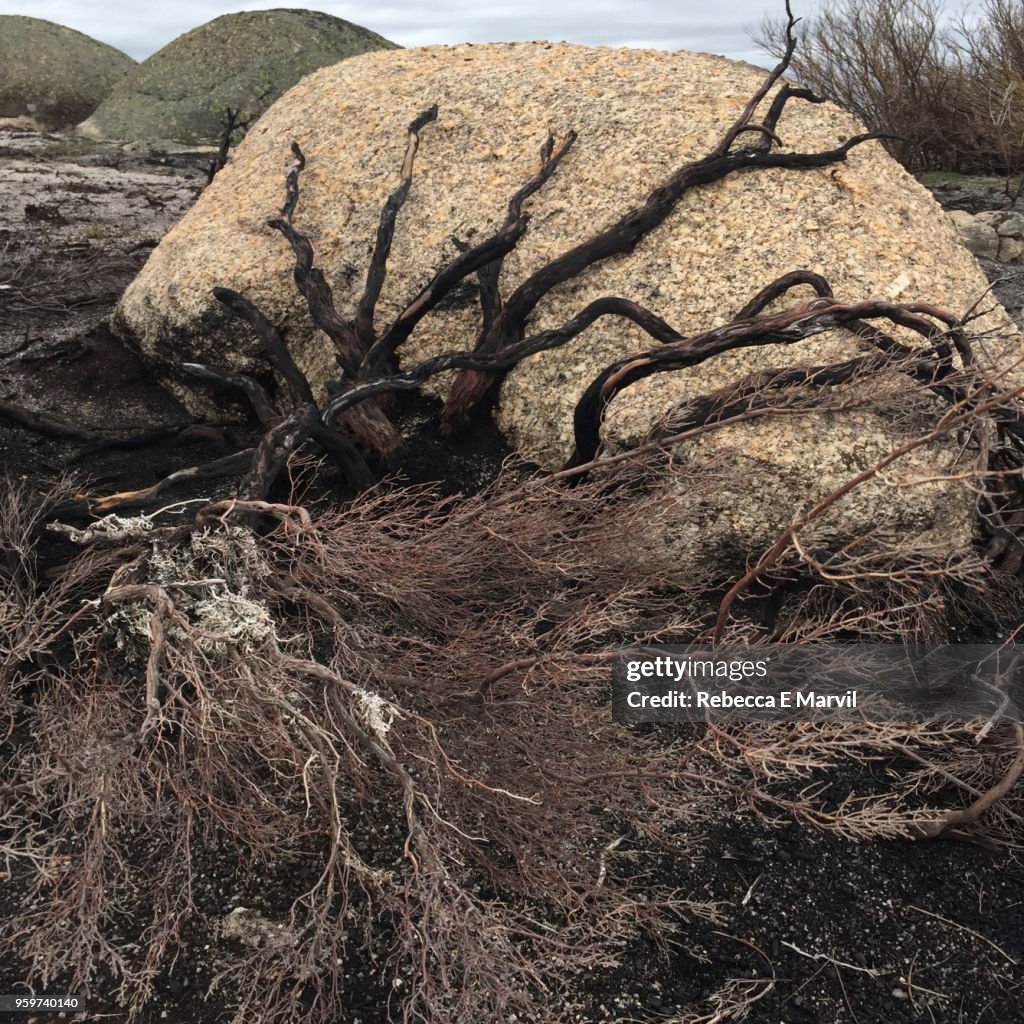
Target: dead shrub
<point x="952" y="90"/>
<point x="402" y="707"/>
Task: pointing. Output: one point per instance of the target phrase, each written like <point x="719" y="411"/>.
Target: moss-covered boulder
<point x="244" y="61"/>
<point x="52" y="74"/>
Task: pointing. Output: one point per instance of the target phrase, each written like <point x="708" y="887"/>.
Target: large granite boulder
<point x="244" y="61"/>
<point x="865" y="224"/>
<point x="52" y="75"/>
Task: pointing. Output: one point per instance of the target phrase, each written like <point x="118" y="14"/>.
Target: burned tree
<point x="352" y="425"/>
<point x="230" y="125"/>
<point x="367" y="359"/>
<point x="402" y="699"/>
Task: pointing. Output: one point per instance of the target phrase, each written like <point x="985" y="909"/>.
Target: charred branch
<point x="252" y="389"/>
<point x="787" y="327"/>
<point x="492" y="249"/>
<point x="271" y="340"/>
<point x="626" y="233"/>
<point x="385" y="234"/>
<point x="319" y="298"/>
<point x="278" y="443"/>
<point x="230" y="465"/>
<point x="231" y="124"/>
<point x="43" y="423"/>
<point x="756" y="306"/>
<point x="292" y="182"/>
<point x="367" y="425"/>
<point x="622" y="237"/>
<point x="487" y="279"/>
<point x="409" y="380"/>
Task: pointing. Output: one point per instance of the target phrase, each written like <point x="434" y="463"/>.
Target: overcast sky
<point x="142" y="28"/>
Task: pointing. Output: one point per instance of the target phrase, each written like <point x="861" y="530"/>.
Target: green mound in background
<point x="244" y="61"/>
<point x="52" y="74"/>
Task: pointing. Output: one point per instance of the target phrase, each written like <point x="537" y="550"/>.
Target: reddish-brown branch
<point x="954" y="419"/>
<point x="971" y="813"/>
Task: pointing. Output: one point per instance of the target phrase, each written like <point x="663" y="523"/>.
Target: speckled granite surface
<point x="865" y="224"/>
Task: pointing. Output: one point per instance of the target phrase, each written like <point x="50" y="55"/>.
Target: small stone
<point x="980" y="238"/>
<point x="1012" y="225"/>
<point x="992" y="218"/>
<point x="1010" y="249"/>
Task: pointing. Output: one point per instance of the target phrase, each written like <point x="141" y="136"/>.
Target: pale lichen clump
<point x="212" y="581"/>
<point x="378" y="714"/>
<point x="230" y="622"/>
<point x="252" y="929"/>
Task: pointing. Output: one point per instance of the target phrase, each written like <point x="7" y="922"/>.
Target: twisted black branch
<point x="779" y="287"/>
<point x="345" y="398"/>
<point x="386" y="232"/>
<point x="492" y="249"/>
<point x="292" y="182"/>
<point x="319" y="298"/>
<point x="621" y="238"/>
<point x="253" y="390"/>
<point x="791" y="325"/>
<point x="278" y="443"/>
<point x="271" y="340"/>
<point x="487" y="278"/>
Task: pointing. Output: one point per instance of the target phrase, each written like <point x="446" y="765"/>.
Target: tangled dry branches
<point x="401" y="706"/>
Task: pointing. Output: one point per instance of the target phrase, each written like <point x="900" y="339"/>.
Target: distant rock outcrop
<point x="864" y="223"/>
<point x="53" y="75"/>
<point x="244" y="61"/>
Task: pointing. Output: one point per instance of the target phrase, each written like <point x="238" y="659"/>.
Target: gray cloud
<point x="141" y="29"/>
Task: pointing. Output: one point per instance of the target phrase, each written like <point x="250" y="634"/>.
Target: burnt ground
<point x="77" y="221"/>
<point x="822" y="929"/>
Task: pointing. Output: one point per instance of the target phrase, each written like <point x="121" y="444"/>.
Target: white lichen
<point x="252" y="929"/>
<point x="377" y="713"/>
<point x="228" y="621"/>
<point x="110" y="529"/>
<point x="211" y="580"/>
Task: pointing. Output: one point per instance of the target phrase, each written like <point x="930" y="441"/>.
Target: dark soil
<point x="823" y="930"/>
